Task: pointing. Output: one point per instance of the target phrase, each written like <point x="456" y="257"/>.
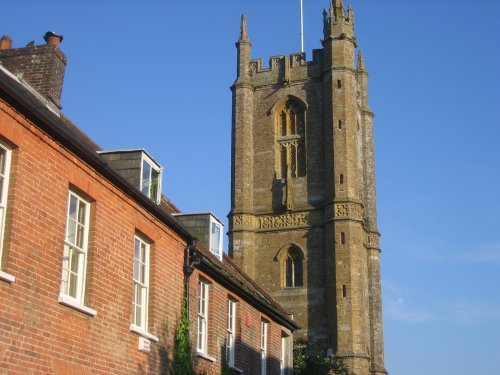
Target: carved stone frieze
<point x="373" y="240"/>
<point x="349" y="209"/>
<point x="243" y="221"/>
<point x="286" y="220"/>
<point x="250" y="222"/>
<point x="341" y="209"/>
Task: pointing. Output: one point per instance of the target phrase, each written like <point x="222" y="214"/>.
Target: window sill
<point x="205" y="356"/>
<point x="236" y="369"/>
<point x="143" y="333"/>
<point x="7" y="277"/>
<point x="71" y="302"/>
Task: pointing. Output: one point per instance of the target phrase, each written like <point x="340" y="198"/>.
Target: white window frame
<point x="263" y="347"/>
<point x="153" y="166"/>
<point x="202" y="337"/>
<point x="231" y="332"/>
<point x="140" y="281"/>
<point x="283" y="354"/>
<point x="4" y="188"/>
<point x="73" y="278"/>
<point x="216" y="244"/>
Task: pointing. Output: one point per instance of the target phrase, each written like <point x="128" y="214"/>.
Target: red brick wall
<point x="248" y="330"/>
<point x="38" y="335"/>
<point x="36" y="332"/>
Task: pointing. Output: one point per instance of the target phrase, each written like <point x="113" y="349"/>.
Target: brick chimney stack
<point x="5" y="42"/>
<point x="41" y="66"/>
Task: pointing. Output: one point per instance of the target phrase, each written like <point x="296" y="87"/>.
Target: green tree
<point x="311" y="359"/>
<point x="183" y="363"/>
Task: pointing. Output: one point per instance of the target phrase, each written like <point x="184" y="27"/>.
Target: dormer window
<point x="216" y="238"/>
<point x="150" y="178"/>
<point x="207" y="228"/>
<point x="138" y="168"/>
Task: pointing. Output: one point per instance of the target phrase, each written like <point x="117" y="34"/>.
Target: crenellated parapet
<point x="286" y="69"/>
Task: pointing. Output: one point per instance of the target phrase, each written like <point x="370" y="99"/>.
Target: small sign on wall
<point x="249" y="320"/>
<point x="144" y="345"/>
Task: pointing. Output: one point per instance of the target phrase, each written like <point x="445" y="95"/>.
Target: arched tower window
<point x="290" y="140"/>
<point x="293" y="262"/>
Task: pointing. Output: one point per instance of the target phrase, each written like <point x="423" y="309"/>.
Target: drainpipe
<point x="192" y="258"/>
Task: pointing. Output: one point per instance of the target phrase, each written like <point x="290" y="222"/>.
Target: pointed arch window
<point x="290" y="140"/>
<point x="293" y="267"/>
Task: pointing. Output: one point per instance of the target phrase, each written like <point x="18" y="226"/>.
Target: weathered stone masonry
<point x="315" y="114"/>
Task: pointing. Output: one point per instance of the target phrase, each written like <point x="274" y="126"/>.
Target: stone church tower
<point x="303" y="220"/>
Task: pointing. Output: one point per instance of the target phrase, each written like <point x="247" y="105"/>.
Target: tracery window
<point x="290" y="140"/>
<point x="293" y="268"/>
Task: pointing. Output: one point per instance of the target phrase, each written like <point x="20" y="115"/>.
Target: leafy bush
<point x="183" y="364"/>
<point x="311" y="359"/>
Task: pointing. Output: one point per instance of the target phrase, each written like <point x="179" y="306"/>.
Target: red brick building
<point x="92" y="262"/>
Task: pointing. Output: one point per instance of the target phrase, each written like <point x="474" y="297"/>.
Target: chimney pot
<point x="5" y="42"/>
<point x="52" y="38"/>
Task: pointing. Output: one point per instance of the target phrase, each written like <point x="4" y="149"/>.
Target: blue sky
<point x="156" y="74"/>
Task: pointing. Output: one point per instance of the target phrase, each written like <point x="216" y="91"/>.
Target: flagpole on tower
<point x="301" y="28"/>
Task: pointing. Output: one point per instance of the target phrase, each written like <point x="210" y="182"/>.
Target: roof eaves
<point x="253" y="295"/>
<point x="35" y="107"/>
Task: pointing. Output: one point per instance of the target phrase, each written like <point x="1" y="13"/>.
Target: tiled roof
<point x="80" y="134"/>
